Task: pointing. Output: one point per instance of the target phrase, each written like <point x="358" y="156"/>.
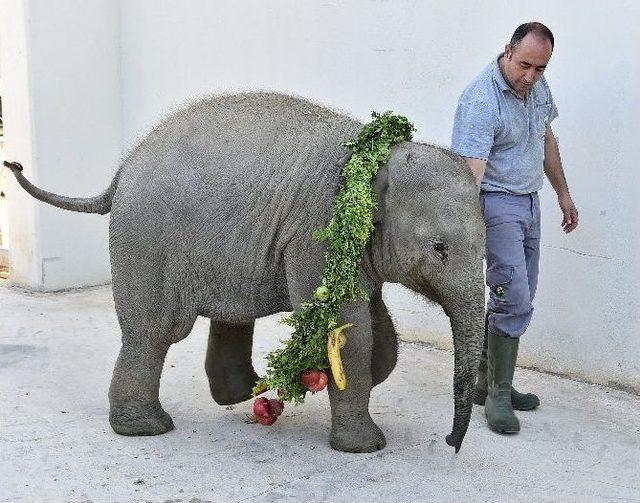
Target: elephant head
<point x="430" y="238"/>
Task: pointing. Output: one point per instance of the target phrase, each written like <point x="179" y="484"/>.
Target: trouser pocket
<point x="509" y="308"/>
<point x="498" y="281"/>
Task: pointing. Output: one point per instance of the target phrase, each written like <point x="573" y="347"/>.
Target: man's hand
<point x="569" y="213"/>
<point x="477" y="167"/>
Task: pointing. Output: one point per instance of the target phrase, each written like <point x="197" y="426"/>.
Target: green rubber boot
<point x="519" y="401"/>
<point x="503" y="353"/>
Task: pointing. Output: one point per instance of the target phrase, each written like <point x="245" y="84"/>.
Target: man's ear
<point x="508" y="51"/>
<point x="380" y="186"/>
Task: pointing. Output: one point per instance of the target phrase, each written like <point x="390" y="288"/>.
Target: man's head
<point x="526" y="56"/>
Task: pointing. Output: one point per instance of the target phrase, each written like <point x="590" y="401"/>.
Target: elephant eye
<point x="441" y="249"/>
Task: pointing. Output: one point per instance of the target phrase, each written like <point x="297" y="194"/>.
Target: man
<point x="502" y="128"/>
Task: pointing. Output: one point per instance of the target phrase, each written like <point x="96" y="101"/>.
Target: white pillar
<point x="62" y="115"/>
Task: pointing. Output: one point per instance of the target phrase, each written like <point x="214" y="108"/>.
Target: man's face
<point x="523" y="65"/>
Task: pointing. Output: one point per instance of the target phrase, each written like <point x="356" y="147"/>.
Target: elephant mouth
<point x="416" y="281"/>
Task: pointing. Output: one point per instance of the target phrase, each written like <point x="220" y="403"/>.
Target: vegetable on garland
<point x="317" y="338"/>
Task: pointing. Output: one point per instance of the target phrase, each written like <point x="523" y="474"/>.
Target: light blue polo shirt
<point x="493" y="124"/>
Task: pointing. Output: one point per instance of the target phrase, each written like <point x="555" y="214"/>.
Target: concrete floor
<point x="56" y="356"/>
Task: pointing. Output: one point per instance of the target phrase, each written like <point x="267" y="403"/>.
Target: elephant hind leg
<point x="133" y="395"/>
<point x="150" y="324"/>
<point x="228" y="363"/>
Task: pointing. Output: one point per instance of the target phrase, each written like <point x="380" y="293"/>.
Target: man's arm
<point x="477" y="167"/>
<point x="555" y="174"/>
<point x="474" y="128"/>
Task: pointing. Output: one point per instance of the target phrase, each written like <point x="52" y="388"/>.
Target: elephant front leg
<point x="228" y="362"/>
<point x="385" y="340"/>
<point x="352" y="429"/>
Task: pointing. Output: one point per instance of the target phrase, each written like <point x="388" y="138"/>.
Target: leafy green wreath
<point x="316" y="339"/>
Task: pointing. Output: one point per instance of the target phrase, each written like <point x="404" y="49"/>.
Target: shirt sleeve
<point x="553" y="113"/>
<point x="474" y="128"/>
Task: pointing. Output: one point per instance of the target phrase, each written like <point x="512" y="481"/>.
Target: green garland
<point x="347" y="232"/>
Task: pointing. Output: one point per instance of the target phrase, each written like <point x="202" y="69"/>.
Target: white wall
<point x="60" y="68"/>
<point x="17" y="123"/>
<point x="414" y="57"/>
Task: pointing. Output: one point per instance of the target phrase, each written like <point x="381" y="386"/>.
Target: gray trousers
<point x="512" y="253"/>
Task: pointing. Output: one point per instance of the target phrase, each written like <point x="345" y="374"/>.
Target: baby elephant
<point x="212" y="215"/>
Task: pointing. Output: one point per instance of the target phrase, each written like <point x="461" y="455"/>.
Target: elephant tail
<point x="100" y="204"/>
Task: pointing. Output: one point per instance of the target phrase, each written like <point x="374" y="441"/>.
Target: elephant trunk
<point x="467" y="324"/>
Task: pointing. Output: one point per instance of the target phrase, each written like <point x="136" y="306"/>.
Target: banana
<point x="335" y="342"/>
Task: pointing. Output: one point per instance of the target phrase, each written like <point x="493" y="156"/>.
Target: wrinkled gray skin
<point x="212" y="215"/>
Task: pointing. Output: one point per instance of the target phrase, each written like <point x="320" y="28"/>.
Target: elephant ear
<point x="380" y="186"/>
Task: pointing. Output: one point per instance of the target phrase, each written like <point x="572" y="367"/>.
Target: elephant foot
<point x="140" y="419"/>
<point x="358" y="436"/>
<point x="232" y="388"/>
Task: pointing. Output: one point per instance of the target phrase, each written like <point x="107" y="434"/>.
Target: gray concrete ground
<point x="56" y="356"/>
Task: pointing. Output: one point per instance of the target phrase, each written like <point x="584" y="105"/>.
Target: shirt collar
<point x="497" y="75"/>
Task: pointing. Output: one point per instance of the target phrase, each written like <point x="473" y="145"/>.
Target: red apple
<point x="314" y="380"/>
<point x="276" y="406"/>
<point x="266" y="420"/>
<point x="266" y="411"/>
<point x="262" y="407"/>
